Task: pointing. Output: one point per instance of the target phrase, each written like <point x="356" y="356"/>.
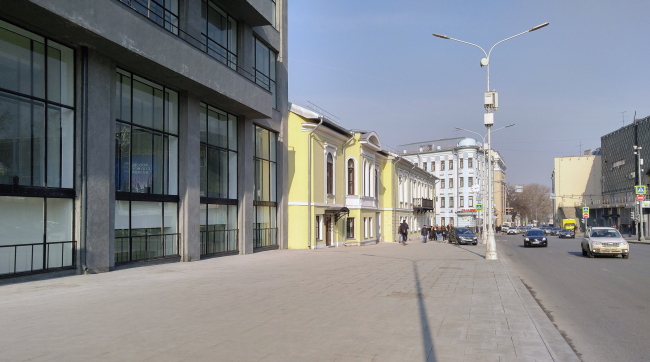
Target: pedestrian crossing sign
<point x="585" y="210"/>
<point x="479" y="207"/>
<point x="640" y="189"/>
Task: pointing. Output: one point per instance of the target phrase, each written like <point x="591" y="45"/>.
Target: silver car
<point x="604" y="241"/>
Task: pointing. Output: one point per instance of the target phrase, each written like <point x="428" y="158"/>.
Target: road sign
<point x="479" y="207"/>
<point x="585" y="210"/>
<point x="640" y="197"/>
<point x="640" y="189"/>
<point x="585" y="215"/>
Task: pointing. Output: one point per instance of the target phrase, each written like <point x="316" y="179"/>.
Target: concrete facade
<point x="576" y="180"/>
<point x="107" y="35"/>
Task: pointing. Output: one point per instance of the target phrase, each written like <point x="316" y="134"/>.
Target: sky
<point x="376" y="66"/>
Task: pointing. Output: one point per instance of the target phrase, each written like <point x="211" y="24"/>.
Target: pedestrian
<point x="444" y="233"/>
<point x="629" y="230"/>
<point x="432" y="233"/>
<point x="424" y="232"/>
<point x="403" y="232"/>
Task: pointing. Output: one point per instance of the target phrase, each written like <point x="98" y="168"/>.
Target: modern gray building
<point x="140" y="130"/>
<point x="620" y="170"/>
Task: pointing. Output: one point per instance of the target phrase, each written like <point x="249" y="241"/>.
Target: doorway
<point x="328" y="230"/>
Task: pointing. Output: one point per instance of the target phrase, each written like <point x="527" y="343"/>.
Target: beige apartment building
<point x="576" y="180"/>
<point x="500" y="188"/>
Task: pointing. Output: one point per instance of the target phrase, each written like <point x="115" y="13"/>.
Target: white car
<point x="604" y="241"/>
<point x="512" y="231"/>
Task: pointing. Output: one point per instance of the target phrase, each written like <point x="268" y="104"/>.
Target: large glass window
<point x="350" y="228"/>
<point x="265" y="60"/>
<point x="218" y="135"/>
<point x="330" y="174"/>
<point x="219" y="34"/>
<point x="265" y="198"/>
<point x="146" y="169"/>
<point x="36" y="152"/>
<point x="162" y="12"/>
<point x="350" y="177"/>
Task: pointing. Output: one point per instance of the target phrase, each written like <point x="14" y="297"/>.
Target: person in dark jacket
<point x="403" y="232"/>
<point x="424" y="232"/>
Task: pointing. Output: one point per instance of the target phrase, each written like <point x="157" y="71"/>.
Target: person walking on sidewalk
<point x="403" y="232"/>
<point x="629" y="231"/>
<point x="424" y="232"/>
<point x="444" y="233"/>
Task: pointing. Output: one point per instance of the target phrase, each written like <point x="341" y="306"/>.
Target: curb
<point x="556" y="345"/>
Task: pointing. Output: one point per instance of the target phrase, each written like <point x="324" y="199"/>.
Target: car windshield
<point x="534" y="233"/>
<point x="565" y="231"/>
<point x="463" y="231"/>
<point x="605" y="233"/>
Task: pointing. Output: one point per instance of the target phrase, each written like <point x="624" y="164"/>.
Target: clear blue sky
<point x="375" y="65"/>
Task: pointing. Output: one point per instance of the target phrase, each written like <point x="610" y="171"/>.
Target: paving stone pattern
<point x="388" y="302"/>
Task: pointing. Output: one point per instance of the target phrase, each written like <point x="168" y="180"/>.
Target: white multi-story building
<point x="458" y="163"/>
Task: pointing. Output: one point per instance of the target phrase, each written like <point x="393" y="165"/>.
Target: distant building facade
<point x="619" y="175"/>
<point x="576" y="182"/>
<point x="458" y="163"/>
<point x="347" y="189"/>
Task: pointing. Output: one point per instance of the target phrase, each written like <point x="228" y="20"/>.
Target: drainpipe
<point x="345" y="193"/>
<point x="84" y="158"/>
<point x="396" y="230"/>
<point x="309" y="183"/>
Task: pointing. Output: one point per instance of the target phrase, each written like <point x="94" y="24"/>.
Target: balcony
<point x="422" y="205"/>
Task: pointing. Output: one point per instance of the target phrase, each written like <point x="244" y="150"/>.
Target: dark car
<point x="464" y="236"/>
<point x="556" y="231"/>
<point x="535" y="237"/>
<point x="567" y="233"/>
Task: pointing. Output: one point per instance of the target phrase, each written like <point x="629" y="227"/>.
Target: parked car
<point x="556" y="231"/>
<point x="567" y="233"/>
<point x="535" y="237"/>
<point x="464" y="236"/>
<point x="521" y="230"/>
<point x="548" y="230"/>
<point x="604" y="241"/>
<point x="512" y="231"/>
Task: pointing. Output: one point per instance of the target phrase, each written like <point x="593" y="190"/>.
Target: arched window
<point x="350" y="177"/>
<point x="330" y="174"/>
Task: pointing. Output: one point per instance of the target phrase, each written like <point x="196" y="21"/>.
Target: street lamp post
<point x="483" y="183"/>
<point x="491" y="105"/>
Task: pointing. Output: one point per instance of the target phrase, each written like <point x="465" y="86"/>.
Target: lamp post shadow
<point x="427" y="339"/>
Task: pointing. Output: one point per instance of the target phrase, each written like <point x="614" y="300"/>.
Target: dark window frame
<point x="265" y="237"/>
<point x="210" y="44"/>
<point x="330" y="174"/>
<point x="351" y="177"/>
<point x="267" y="81"/>
<point x="165" y="21"/>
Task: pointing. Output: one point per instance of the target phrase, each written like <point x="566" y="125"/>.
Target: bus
<point x="569" y="224"/>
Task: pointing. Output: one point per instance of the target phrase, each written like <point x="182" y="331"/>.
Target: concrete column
<point x="100" y="196"/>
<point x="245" y="184"/>
<point x="246" y="51"/>
<point x="189" y="175"/>
<point x="189" y="17"/>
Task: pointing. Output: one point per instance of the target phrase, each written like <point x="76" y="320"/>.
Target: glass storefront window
<point x="146" y="137"/>
<point x="265" y="184"/>
<point x="36" y="151"/>
<point x="145" y="230"/>
<point x="218" y="153"/>
<point x="265" y="61"/>
<point x="219" y="231"/>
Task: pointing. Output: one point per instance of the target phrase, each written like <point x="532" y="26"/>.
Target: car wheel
<point x="591" y="254"/>
<point x="626" y="256"/>
<point x="584" y="253"/>
<point x="474" y="243"/>
<point x="546" y="245"/>
<point x="525" y="244"/>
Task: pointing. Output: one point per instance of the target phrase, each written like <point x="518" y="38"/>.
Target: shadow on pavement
<point x="427" y="341"/>
<point x="473" y="252"/>
<point x="576" y="253"/>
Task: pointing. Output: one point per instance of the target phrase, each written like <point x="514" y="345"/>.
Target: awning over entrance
<point x="338" y="212"/>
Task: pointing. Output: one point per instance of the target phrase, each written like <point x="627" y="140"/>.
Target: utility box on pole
<point x="491" y="100"/>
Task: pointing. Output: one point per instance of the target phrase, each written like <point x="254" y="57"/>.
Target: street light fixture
<point x="491" y="105"/>
<point x="483" y="181"/>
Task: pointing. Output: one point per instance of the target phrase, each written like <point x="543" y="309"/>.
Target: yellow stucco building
<point x="346" y="189"/>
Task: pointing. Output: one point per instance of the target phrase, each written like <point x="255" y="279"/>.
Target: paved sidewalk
<point x="420" y="302"/>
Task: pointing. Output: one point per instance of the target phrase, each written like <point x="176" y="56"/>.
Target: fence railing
<point x="37" y="258"/>
<point x="219" y="241"/>
<point x="265" y="237"/>
<point x="145" y="247"/>
<point x="206" y="45"/>
<point x="421" y="203"/>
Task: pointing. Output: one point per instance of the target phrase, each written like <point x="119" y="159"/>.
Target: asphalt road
<point x="601" y="305"/>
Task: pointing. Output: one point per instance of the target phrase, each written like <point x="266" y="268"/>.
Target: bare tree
<point x="532" y="203"/>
